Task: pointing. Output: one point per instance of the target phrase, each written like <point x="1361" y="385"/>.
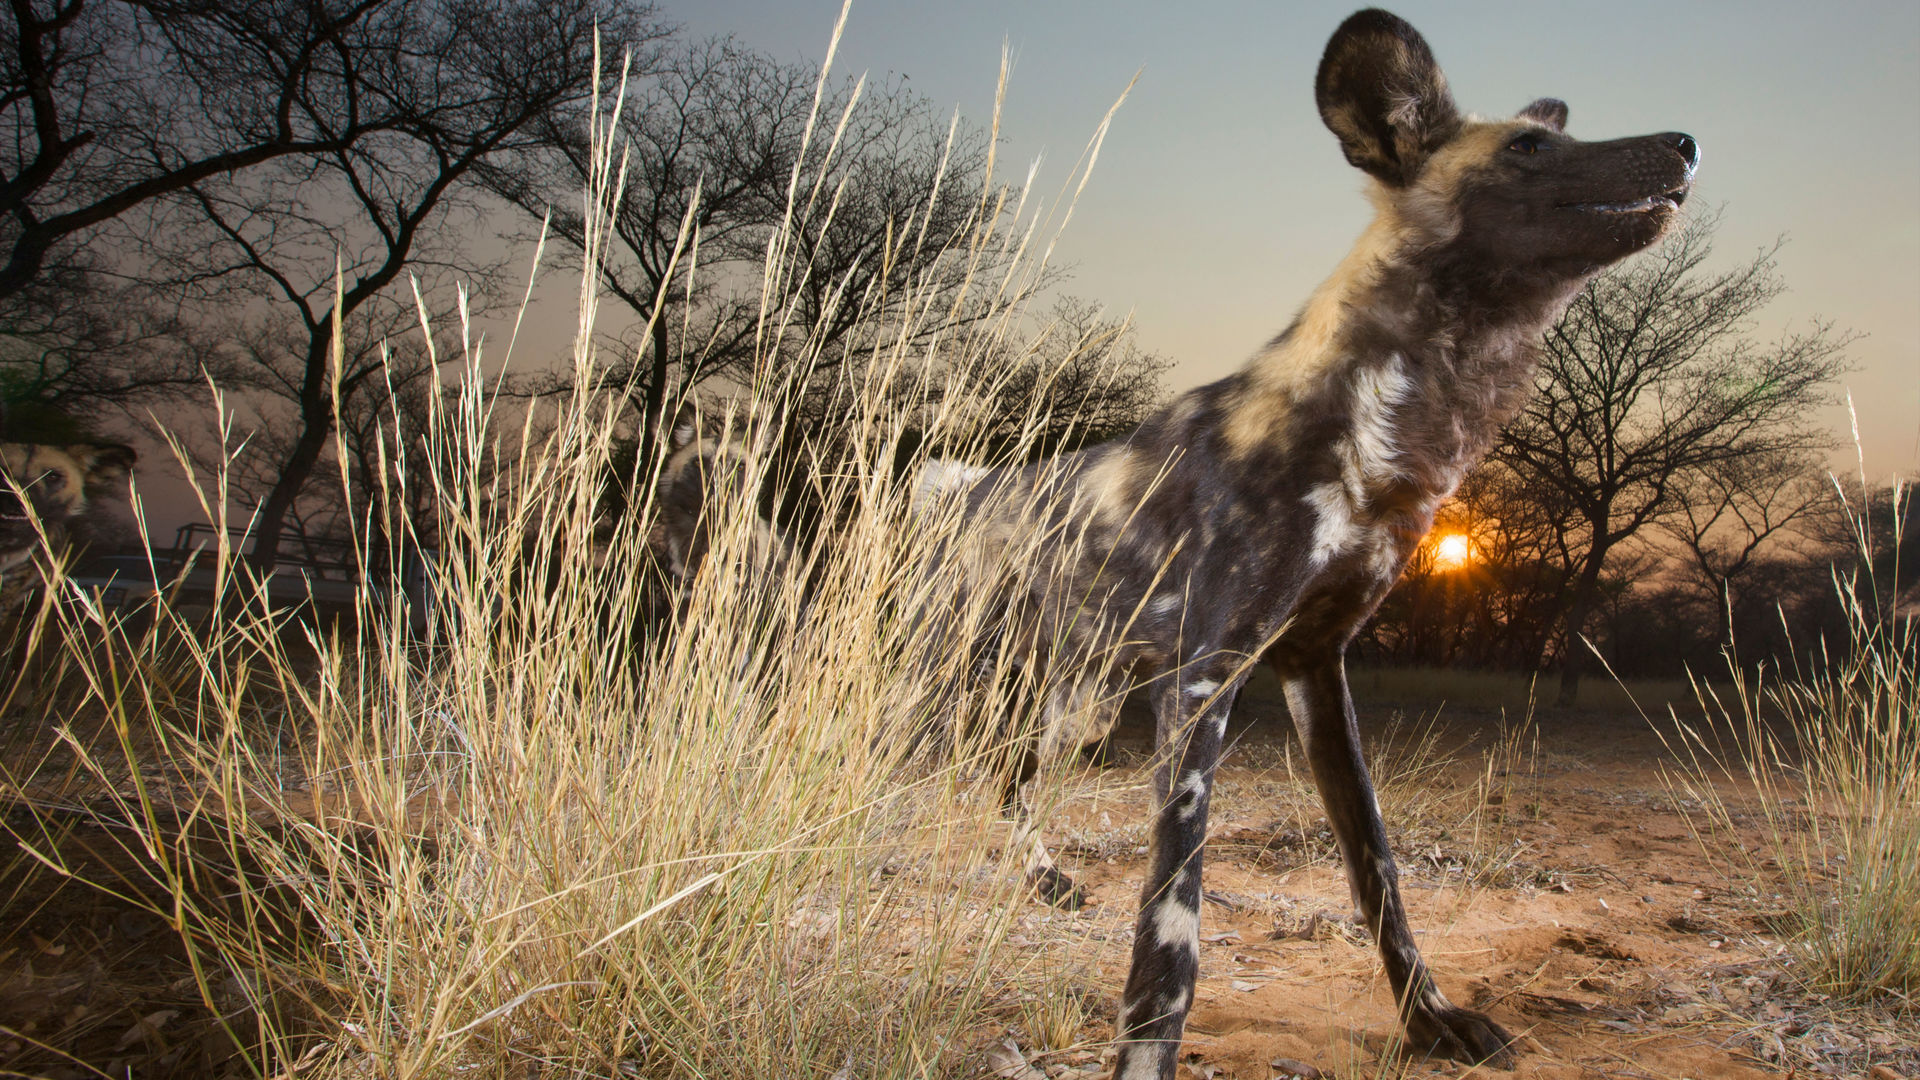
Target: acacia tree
<point x="1738" y="521"/>
<point x="113" y="111"/>
<point x="77" y="345"/>
<point x="107" y="105"/>
<point x="1079" y="379"/>
<point x="1649" y="380"/>
<point x="460" y="82"/>
<point x="715" y="136"/>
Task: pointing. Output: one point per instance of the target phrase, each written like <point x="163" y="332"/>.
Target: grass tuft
<point x="1825" y="768"/>
<point x="558" y="812"/>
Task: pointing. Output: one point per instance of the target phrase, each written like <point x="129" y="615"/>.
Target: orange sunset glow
<point x="1452" y="551"/>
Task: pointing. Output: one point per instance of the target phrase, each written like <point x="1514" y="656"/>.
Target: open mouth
<point x="1670" y="200"/>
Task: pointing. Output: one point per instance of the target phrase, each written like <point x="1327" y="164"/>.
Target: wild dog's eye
<point x="1525" y="144"/>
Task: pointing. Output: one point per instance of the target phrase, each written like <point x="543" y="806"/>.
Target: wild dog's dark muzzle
<point x="17" y="534"/>
<point x="1649" y="173"/>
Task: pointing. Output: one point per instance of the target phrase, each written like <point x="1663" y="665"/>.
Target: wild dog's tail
<point x="941" y="478"/>
<point x="708" y="458"/>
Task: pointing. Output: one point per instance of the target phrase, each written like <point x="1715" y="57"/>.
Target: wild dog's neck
<point x="1401" y="369"/>
<point x="1465" y="333"/>
<point x="1309" y="348"/>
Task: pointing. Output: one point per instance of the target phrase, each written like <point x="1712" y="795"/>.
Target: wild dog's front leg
<point x="1076" y="712"/>
<point x="1191" y="716"/>
<point x="1050" y="883"/>
<point x="1323" y="714"/>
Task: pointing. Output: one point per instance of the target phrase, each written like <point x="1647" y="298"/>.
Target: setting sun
<point x="1452" y="551"/>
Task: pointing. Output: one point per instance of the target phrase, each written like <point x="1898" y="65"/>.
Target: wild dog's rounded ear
<point x="1380" y="90"/>
<point x="1547" y="112"/>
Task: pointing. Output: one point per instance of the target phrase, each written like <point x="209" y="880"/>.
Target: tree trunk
<point x="269" y="526"/>
<point x="1573" y="658"/>
<point x="316" y="423"/>
<point x="655" y="403"/>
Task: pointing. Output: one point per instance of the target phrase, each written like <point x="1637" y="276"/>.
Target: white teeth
<point x="1634" y="207"/>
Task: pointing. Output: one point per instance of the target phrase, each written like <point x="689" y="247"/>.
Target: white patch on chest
<point x="1368" y="455"/>
<point x="1332" y="521"/>
<point x="1377" y="392"/>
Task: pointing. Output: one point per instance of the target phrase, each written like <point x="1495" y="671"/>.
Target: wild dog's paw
<point x="1460" y="1034"/>
<point x="1057" y="889"/>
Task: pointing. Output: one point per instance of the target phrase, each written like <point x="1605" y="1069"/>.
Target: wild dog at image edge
<point x="1267" y="514"/>
<point x="53" y="484"/>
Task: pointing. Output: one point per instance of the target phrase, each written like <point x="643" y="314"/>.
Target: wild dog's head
<point x="54" y="484"/>
<point x="1516" y="197"/>
<point x="707" y="464"/>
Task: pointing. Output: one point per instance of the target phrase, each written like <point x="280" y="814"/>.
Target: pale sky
<point x="1220" y="201"/>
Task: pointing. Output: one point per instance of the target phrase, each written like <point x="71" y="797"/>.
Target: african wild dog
<point x="706" y="455"/>
<point x="1268" y="513"/>
<point x="1271" y="511"/>
<point x="51" y="484"/>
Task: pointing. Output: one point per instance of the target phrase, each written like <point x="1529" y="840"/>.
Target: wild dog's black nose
<point x="1683" y="145"/>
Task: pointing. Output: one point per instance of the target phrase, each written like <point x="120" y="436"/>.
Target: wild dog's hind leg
<point x="1190" y="717"/>
<point x="1323" y="715"/>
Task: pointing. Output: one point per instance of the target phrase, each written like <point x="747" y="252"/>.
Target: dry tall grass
<point x="1826" y="765"/>
<point x="536" y="826"/>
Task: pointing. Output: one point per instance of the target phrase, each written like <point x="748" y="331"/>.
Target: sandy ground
<point x="1595" y="930"/>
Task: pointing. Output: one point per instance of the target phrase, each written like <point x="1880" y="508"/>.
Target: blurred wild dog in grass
<point x="46" y="489"/>
<point x="1267" y="514"/>
<point x="707" y="454"/>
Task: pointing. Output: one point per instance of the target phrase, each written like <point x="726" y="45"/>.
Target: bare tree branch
<point x="1651" y="381"/>
<point x="716" y="134"/>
